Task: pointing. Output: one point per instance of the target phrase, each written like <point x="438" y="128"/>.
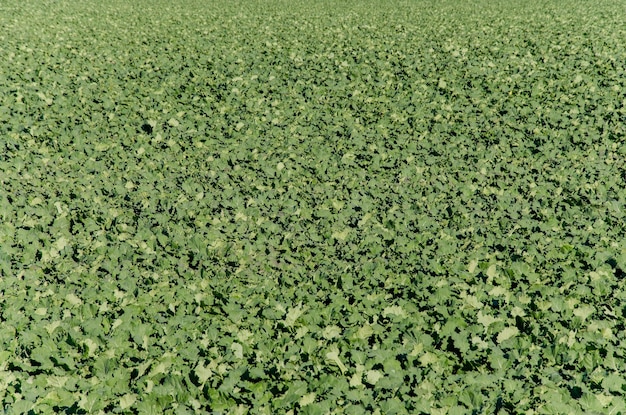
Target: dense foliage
<point x="274" y="207"/>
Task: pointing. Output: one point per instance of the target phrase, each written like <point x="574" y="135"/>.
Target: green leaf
<point x="393" y="406"/>
<point x="507" y="333"/>
<point x="296" y="391"/>
<point x="317" y="408"/>
<point x="614" y="383"/>
<point x="332" y="356"/>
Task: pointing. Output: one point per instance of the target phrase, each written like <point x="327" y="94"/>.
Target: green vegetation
<point x="266" y="207"/>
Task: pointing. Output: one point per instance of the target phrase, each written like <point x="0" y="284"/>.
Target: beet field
<point x="407" y="207"/>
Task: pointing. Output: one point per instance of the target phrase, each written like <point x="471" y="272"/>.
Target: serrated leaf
<point x="364" y="332"/>
<point x="428" y="358"/>
<point x="307" y="399"/>
<point x="52" y="326"/>
<point x="127" y="400"/>
<point x="73" y="299"/>
<point x="614" y="382"/>
<point x="584" y="311"/>
<point x="394" y="310"/>
<point x="203" y="373"/>
<point x="57" y="381"/>
<point x="237" y="350"/>
<point x="373" y="376"/>
<point x="331" y="332"/>
<point x="341" y="235"/>
<point x="486" y="320"/>
<point x="507" y="333"/>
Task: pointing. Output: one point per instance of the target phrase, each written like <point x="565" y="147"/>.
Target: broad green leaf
<point x="507" y="333"/>
<point x="331" y="332"/>
<point x="332" y="356"/>
<point x="486" y="320"/>
<point x="373" y="376"/>
<point x="307" y="399"/>
<point x="127" y="400"/>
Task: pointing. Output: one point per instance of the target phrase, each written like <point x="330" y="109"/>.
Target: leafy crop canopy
<point x="359" y="207"/>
